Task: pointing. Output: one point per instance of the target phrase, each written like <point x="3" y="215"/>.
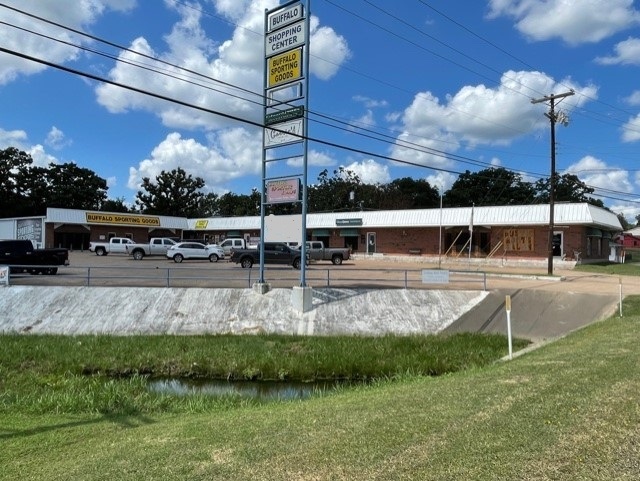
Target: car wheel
<point x="213" y="258"/>
<point x="297" y="263"/>
<point x="138" y="255"/>
<point x="100" y="251"/>
<point x="246" y="263"/>
<point x="178" y="258"/>
<point x="337" y="260"/>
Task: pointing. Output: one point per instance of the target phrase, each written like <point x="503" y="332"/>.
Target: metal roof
<point x="77" y="216"/>
<point x="509" y="215"/>
<point x="227" y="223"/>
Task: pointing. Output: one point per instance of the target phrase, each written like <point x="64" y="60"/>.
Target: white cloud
<point x="231" y="155"/>
<point x="314" y="158"/>
<point x="596" y="173"/>
<point x="441" y="180"/>
<point x="480" y="115"/>
<point x="13" y="138"/>
<point x="370" y="172"/>
<point x="237" y="62"/>
<point x="40" y="157"/>
<point x="234" y="9"/>
<point x="634" y="98"/>
<point x="81" y="16"/>
<point x="369" y="102"/>
<point x="574" y="21"/>
<point x="631" y="130"/>
<point x="19" y="140"/>
<point x="627" y="52"/>
<point x="56" y="139"/>
<point x="629" y="211"/>
<point x="188" y="46"/>
<point x="365" y="121"/>
<point x="328" y="51"/>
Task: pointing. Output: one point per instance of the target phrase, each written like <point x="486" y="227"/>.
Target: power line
<point x="437" y="153"/>
<point x="410" y="145"/>
<point x="214" y="112"/>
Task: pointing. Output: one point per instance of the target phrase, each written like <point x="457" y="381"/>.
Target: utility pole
<point x="553" y="117"/>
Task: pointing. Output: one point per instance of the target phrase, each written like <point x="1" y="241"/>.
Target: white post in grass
<point x="620" y="295"/>
<point x="508" y="307"/>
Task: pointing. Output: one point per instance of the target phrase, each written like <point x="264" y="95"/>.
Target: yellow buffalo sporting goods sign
<point x="122" y="219"/>
<point x="285" y="67"/>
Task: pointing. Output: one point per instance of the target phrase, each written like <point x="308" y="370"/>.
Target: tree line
<point x="27" y="190"/>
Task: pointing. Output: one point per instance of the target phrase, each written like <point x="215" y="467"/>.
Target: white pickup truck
<point x="116" y="245"/>
<point x="232" y="243"/>
<point x="157" y="246"/>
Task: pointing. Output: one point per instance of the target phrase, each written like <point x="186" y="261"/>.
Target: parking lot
<point x="87" y="269"/>
<point x="120" y="270"/>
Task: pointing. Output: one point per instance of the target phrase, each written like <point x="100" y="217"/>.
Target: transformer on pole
<point x="553" y="117"/>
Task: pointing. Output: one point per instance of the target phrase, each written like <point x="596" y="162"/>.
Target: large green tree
<point x="569" y="188"/>
<point x="408" y="193"/>
<point x="623" y="222"/>
<point x="493" y="186"/>
<point x="334" y="194"/>
<point x="116" y="205"/>
<point x="14" y="166"/>
<point x="235" y="205"/>
<point x="72" y="187"/>
<point x="26" y="189"/>
<point x="175" y="193"/>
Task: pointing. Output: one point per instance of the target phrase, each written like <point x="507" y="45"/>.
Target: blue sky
<point x="389" y="80"/>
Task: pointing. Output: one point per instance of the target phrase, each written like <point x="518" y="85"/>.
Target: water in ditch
<point x="261" y="390"/>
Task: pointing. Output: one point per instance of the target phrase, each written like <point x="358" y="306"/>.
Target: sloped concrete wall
<point x="128" y="311"/>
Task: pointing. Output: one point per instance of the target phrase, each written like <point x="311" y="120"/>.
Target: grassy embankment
<point x="568" y="410"/>
<point x="108" y="374"/>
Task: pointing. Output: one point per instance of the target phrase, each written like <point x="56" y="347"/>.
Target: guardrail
<point x="235" y="277"/>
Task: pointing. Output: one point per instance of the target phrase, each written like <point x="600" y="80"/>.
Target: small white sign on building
<point x="4" y="275"/>
<point x="435" y="276"/>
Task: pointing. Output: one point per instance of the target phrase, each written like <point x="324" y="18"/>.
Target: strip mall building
<point x="507" y="233"/>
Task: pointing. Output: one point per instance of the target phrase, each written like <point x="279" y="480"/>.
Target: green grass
<point x="569" y="410"/>
<point x="609" y="268"/>
<point x="630" y="268"/>
<point x="108" y="374"/>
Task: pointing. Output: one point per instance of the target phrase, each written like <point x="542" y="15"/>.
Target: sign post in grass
<point x="507" y="304"/>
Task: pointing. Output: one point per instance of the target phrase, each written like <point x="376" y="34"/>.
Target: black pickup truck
<point x="20" y="255"/>
<point x="274" y="253"/>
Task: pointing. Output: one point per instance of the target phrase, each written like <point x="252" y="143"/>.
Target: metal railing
<point x="236" y="277"/>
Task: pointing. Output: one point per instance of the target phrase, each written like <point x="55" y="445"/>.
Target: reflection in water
<point x="262" y="390"/>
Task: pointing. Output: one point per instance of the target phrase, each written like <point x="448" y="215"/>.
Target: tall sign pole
<point x="286" y="106"/>
<point x="553" y="118"/>
<point x="305" y="165"/>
